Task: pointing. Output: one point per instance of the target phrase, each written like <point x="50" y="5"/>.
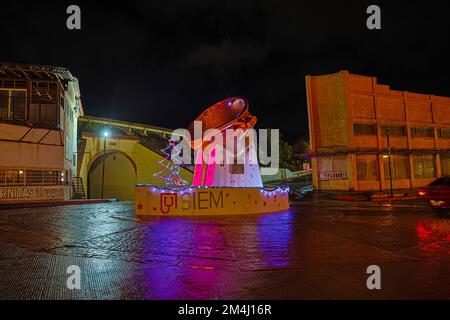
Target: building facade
<point x="39" y="107"/>
<point x="351" y="120"/>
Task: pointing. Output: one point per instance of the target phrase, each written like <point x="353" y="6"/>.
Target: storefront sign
<point x="31" y="193"/>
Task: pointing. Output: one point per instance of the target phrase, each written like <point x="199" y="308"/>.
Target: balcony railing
<point x="332" y="175"/>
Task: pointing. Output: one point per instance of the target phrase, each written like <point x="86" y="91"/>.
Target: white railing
<point x="332" y="175"/>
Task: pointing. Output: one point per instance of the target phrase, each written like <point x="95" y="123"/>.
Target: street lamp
<point x="105" y="135"/>
<point x="389" y="160"/>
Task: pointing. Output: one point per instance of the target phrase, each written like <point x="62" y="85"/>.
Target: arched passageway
<point x="120" y="176"/>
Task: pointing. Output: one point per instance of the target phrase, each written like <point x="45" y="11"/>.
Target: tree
<point x="301" y="145"/>
<point x="286" y="154"/>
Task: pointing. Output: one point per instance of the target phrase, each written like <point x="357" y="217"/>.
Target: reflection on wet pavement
<point x="317" y="249"/>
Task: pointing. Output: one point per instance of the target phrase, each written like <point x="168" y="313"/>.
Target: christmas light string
<point x="170" y="174"/>
<point x="189" y="189"/>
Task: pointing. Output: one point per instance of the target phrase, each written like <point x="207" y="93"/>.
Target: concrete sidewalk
<point x="398" y="195"/>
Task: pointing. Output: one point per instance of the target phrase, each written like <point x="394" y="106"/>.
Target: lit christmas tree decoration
<point x="170" y="174"/>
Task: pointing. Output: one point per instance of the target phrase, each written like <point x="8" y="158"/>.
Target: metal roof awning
<point x="37" y="72"/>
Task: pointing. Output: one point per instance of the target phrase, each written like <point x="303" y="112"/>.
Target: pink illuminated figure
<point x="229" y="114"/>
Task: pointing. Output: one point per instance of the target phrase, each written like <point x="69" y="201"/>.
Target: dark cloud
<point x="162" y="62"/>
<point x="226" y="57"/>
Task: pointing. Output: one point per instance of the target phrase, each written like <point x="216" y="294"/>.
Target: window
<point x="444" y="132"/>
<point x="393" y="130"/>
<point x="50" y="177"/>
<point x="364" y="129"/>
<point x="34" y="177"/>
<point x="22" y="177"/>
<point x="445" y="163"/>
<point x="399" y="167"/>
<point x="18" y="104"/>
<point x="367" y="167"/>
<point x="13" y="103"/>
<point x="68" y="111"/>
<point x="422" y="131"/>
<point x="14" y="177"/>
<point x="44" y="103"/>
<point x="4" y="104"/>
<point x="332" y="167"/>
<point x="423" y="166"/>
<point x="69" y="149"/>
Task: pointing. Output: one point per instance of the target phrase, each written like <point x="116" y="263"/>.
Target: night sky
<point x="163" y="62"/>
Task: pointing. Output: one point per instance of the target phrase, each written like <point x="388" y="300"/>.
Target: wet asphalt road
<point x="320" y="249"/>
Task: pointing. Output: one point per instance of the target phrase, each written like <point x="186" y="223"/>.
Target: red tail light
<point x="438" y="203"/>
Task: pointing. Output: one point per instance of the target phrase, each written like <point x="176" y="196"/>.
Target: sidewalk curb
<point x="394" y="198"/>
<point x="375" y="199"/>
<point x="352" y="198"/>
<point x="51" y="203"/>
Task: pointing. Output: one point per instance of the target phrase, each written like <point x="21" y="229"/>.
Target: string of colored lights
<point x="190" y="189"/>
<point x="170" y="174"/>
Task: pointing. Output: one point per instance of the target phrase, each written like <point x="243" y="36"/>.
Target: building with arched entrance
<point x="130" y="155"/>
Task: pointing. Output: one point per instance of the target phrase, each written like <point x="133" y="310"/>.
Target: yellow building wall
<point x="329" y="128"/>
<point x="118" y="174"/>
<point x="327" y="95"/>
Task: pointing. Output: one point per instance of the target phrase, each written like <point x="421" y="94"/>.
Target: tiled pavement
<point x="318" y="249"/>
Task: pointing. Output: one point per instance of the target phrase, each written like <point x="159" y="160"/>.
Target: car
<point x="437" y="193"/>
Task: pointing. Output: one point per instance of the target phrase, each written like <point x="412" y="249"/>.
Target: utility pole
<point x="105" y="134"/>
<point x="389" y="159"/>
